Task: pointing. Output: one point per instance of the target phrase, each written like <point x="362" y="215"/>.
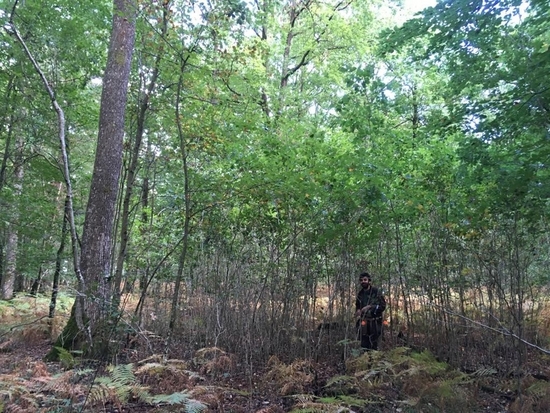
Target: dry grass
<point x="213" y="361"/>
<point x="24" y="320"/>
<point x="410" y="379"/>
<point x="167" y="377"/>
<point x="287" y="379"/>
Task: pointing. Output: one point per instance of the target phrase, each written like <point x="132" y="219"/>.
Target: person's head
<point x="365" y="279"/>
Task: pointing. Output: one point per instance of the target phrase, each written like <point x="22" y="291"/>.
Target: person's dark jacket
<point x="373" y="297"/>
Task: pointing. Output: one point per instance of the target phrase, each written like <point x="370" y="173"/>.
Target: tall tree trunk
<point x="6" y="154"/>
<point x="98" y="224"/>
<point x="134" y="158"/>
<point x="59" y="260"/>
<point x="4" y="165"/>
<point x="8" y="278"/>
<point x="144" y="198"/>
<point x="185" y="240"/>
<point x="89" y="318"/>
<point x="36" y="282"/>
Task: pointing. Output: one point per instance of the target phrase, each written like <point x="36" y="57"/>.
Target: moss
<point x="429" y="363"/>
<point x="70" y="339"/>
<point x="341" y="385"/>
<point x="344" y="400"/>
<point x="447" y="397"/>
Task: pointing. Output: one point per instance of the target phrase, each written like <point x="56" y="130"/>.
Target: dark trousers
<point x="369" y="331"/>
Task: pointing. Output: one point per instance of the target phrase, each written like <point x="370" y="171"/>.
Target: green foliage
<point x="445" y="396"/>
<point x="539" y="389"/>
<point x="308" y="155"/>
<point x="345" y="400"/>
<point x="175" y="398"/>
<point x="489" y="52"/>
<point x="417" y="382"/>
<point x="121" y="385"/>
<point x="65" y="357"/>
<point x="23" y="308"/>
<point x="341" y="385"/>
<point x="429" y="362"/>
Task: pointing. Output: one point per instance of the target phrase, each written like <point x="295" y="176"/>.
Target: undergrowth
<point x="213" y="380"/>
<point x="82" y="390"/>
<point x="25" y="319"/>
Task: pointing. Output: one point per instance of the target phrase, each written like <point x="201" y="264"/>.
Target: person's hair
<point x="365" y="274"/>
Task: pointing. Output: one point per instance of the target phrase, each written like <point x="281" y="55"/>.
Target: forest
<point x="207" y="179"/>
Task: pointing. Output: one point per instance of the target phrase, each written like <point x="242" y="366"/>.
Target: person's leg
<point x="374" y="341"/>
<point x="368" y="339"/>
<point x="363" y="330"/>
<point x="376" y="332"/>
<point x="366" y="343"/>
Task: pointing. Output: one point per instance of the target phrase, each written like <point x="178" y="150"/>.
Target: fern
<point x="484" y="372"/>
<point x="353" y="401"/>
<point x="121" y="385"/>
<point x="123" y="375"/>
<point x="83" y="372"/>
<point x="339" y="401"/>
<point x="100" y="393"/>
<point x="171" y="366"/>
<point x="12" y="392"/>
<point x="339" y="380"/>
<point x="62" y="384"/>
<point x="194" y="406"/>
<point x="303" y="398"/>
<point x="411" y="371"/>
<point x="539" y="389"/>
<point x="174" y="398"/>
<point x="151" y="368"/>
<point x="313" y="407"/>
<point x="25" y="403"/>
<point x="429" y="362"/>
<point x="65" y="357"/>
<point x="191" y="405"/>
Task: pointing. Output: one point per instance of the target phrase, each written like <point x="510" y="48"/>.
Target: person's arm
<point x="380" y="306"/>
<point x="358" y="305"/>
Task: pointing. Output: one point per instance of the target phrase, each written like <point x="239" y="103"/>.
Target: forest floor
<point x="396" y="379"/>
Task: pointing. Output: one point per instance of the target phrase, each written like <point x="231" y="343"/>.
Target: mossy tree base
<point x="72" y="340"/>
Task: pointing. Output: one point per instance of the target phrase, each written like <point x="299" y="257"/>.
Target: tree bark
<point x="59" y="260"/>
<point x="134" y="159"/>
<point x="187" y="196"/>
<point x="9" y="133"/>
<point x="92" y="303"/>
<point x="95" y="258"/>
<point x="8" y="278"/>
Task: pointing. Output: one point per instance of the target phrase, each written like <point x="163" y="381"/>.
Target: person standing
<point x="369" y="307"/>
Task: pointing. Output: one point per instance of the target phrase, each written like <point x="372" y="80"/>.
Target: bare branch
<point x="502" y="330"/>
<point x="66" y="174"/>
